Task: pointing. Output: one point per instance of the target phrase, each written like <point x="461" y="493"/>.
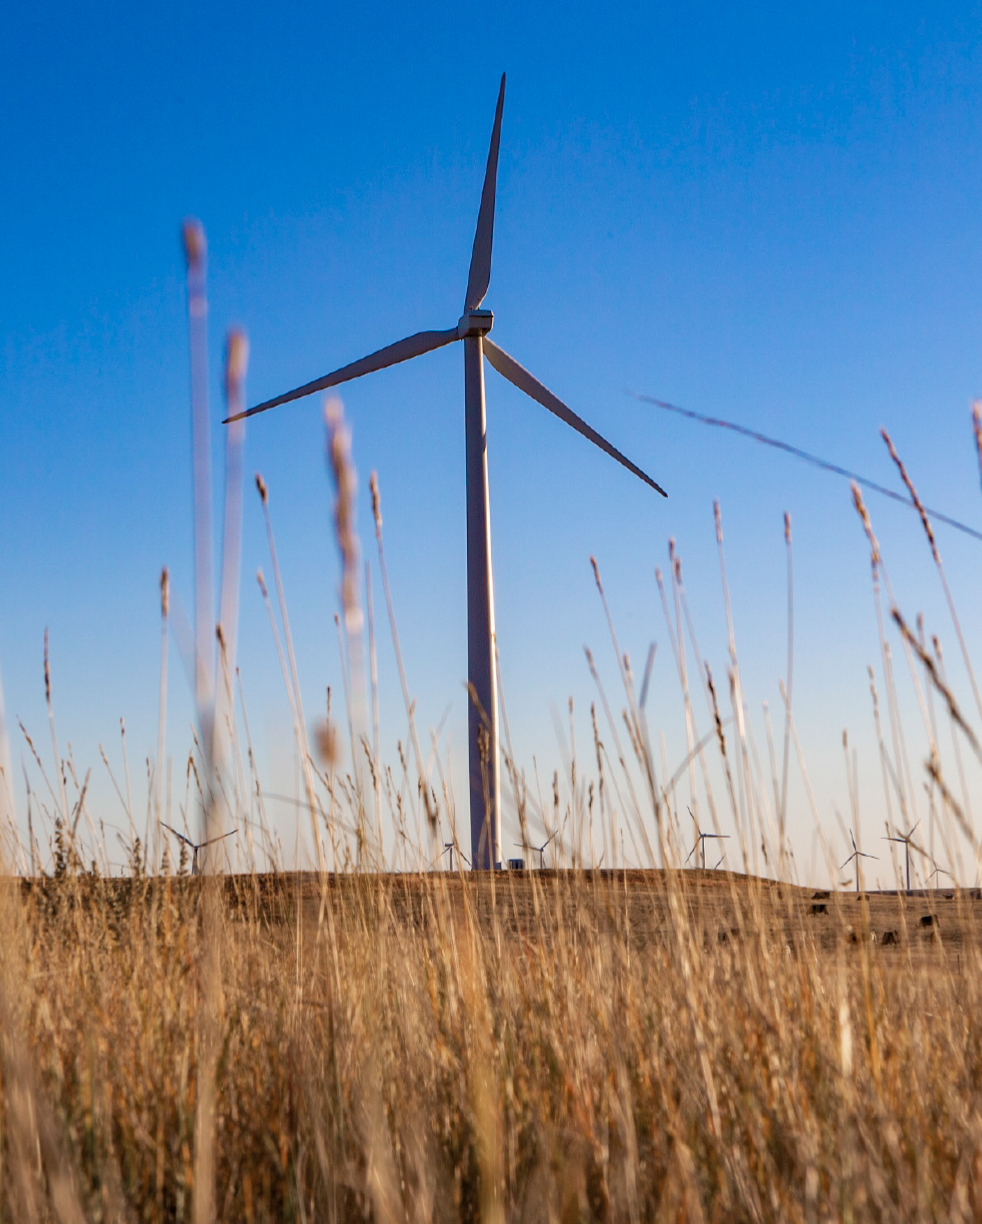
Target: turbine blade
<point x="509" y="368"/>
<point x="212" y="840"/>
<point x="413" y="346"/>
<point x="480" y="273"/>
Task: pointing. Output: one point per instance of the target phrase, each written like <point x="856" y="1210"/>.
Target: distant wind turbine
<point x="473" y="328"/>
<point x="196" y="846"/>
<point x="857" y="854"/>
<point x="904" y="838"/>
<point x="539" y="850"/>
<point x="450" y="847"/>
<point x="701" y="839"/>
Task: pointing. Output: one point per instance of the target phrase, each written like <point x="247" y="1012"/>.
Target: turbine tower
<point x="472" y="329"/>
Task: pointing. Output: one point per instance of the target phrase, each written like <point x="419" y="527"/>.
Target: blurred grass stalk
<point x="195" y="254"/>
<point x="236" y="361"/>
<point x="154" y="846"/>
<point x="214" y="688"/>
<point x="8" y="805"/>
<point x="352" y="622"/>
<point x="39" y="1168"/>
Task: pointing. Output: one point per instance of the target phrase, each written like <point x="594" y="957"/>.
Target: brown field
<point x="551" y="1045"/>
<point x="721" y="907"/>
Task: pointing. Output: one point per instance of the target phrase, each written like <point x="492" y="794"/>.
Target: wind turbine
<point x="539" y="850"/>
<point x="857" y="854"/>
<point x="451" y="846"/>
<point x="472" y="329"/>
<point x="196" y="846"/>
<point x="939" y="871"/>
<point x="905" y="839"/>
<point x="701" y="846"/>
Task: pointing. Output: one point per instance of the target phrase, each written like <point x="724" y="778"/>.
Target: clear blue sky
<point x="766" y="212"/>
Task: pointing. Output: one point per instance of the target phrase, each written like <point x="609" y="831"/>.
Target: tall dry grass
<point x="557" y="1044"/>
<point x="589" y="1046"/>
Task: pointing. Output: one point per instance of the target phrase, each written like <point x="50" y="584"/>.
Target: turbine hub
<point x="475" y="323"/>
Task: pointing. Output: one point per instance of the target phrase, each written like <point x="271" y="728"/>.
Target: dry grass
<point x="581" y="1045"/>
<point x="546" y="1045"/>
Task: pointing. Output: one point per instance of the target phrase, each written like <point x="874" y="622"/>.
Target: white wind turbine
<point x="857" y="854"/>
<point x="472" y="329"/>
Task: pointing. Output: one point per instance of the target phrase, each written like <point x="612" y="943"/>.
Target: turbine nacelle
<point x="474" y="323"/>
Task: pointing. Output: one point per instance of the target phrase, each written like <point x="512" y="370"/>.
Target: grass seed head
<point x="857" y="500"/>
<point x="376" y="502"/>
<point x="977" y="428"/>
<point x="328" y="742"/>
<point x="928" y="529"/>
<point x="236" y="361"/>
<point x="346" y="485"/>
<point x="193" y="237"/>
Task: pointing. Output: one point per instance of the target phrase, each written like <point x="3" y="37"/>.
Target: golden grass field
<point x="564" y="1044"/>
<point x="536" y="1045"/>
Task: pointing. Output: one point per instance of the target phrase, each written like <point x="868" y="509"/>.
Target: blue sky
<point x="762" y="212"/>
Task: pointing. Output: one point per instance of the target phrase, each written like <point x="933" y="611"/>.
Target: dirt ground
<point x="726" y="907"/>
<point x="723" y="909"/>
